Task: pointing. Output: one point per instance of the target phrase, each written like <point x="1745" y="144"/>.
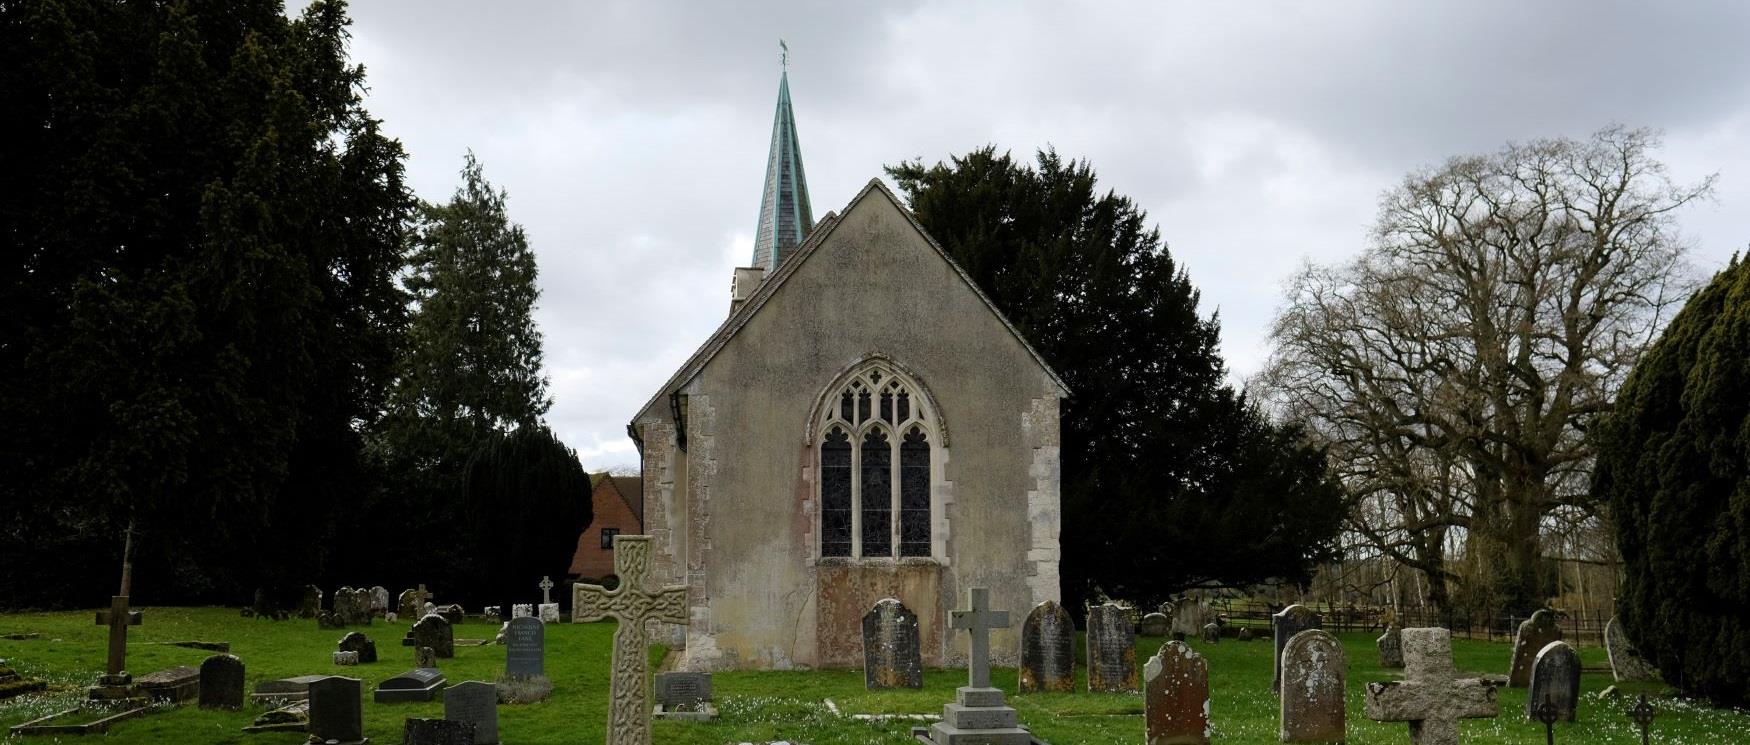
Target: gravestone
<point x="525" y="648"/>
<point x="436" y="732"/>
<point x="1391" y="648"/>
<point x="1048" y="656"/>
<point x="546" y="585"/>
<point x="1555" y="676"/>
<point x="418" y="684"/>
<point x="116" y="683"/>
<point x="1625" y="663"/>
<point x="391" y="617"/>
<point x="1533" y="635"/>
<point x="1292" y="620"/>
<point x="1189" y="615"/>
<point x="310" y="603"/>
<point x="1156" y="624"/>
<point x="172" y="686"/>
<point x="892" y="657"/>
<point x="452" y="613"/>
<point x="633" y="603"/>
<point x="1314" y="672"/>
<point x="379" y="601"/>
<point x="432" y="631"/>
<point x="12" y="684"/>
<point x="1431" y="697"/>
<point x="522" y="610"/>
<point x="337" y="711"/>
<point x="1175" y="699"/>
<point x="283" y="691"/>
<point x="1212" y="633"/>
<point x="549" y="613"/>
<point x="1245" y="634"/>
<point x="474" y="702"/>
<point x="679" y="689"/>
<point x="358" y="642"/>
<point x="978" y="715"/>
<point x="424" y="657"/>
<point x="407" y="603"/>
<point x="293" y="717"/>
<point x="1111" y="650"/>
<point x="345" y="658"/>
<point x="353" y="606"/>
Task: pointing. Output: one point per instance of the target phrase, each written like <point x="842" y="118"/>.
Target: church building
<point x="865" y="424"/>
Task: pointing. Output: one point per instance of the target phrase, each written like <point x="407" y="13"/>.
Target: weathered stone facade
<point x="731" y="457"/>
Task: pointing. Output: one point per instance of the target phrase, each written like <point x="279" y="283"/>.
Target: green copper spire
<point x="785" y="217"/>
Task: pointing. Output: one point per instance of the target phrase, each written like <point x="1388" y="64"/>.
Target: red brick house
<point x="618" y="510"/>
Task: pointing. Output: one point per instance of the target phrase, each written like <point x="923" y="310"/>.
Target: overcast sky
<point x="632" y="136"/>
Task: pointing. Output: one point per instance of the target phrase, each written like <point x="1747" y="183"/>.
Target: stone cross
<point x="118" y="618"/>
<point x="546" y="589"/>
<point x="421" y="596"/>
<point x="631" y="604"/>
<point x="1643" y="714"/>
<point x="1431" y="697"/>
<point x="978" y="621"/>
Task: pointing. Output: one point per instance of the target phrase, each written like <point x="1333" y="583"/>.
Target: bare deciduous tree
<point x="1454" y="366"/>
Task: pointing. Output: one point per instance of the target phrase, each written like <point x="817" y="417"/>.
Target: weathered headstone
<point x="436" y="732"/>
<point x="293" y="717"/>
<point x="1555" y="676"/>
<point x="337" y="711"/>
<point x="452" y="613"/>
<point x="172" y="686"/>
<point x="1189" y="615"/>
<point x="1314" y="672"/>
<point x="1391" y="648"/>
<point x="632" y="603"/>
<point x="391" y="617"/>
<point x="379" y="601"/>
<point x="1431" y="697"/>
<point x="345" y="658"/>
<point x="474" y="702"/>
<point x="1212" y="633"/>
<point x="1111" y="650"/>
<point x="522" y="610"/>
<point x="549" y="613"/>
<point x="525" y="648"/>
<point x="1625" y="663"/>
<point x="433" y="631"/>
<point x="1175" y="700"/>
<point x="358" y="642"/>
<point x="1292" y="620"/>
<point x="310" y="603"/>
<point x="418" y="684"/>
<point x="1156" y="624"/>
<point x="679" y="689"/>
<point x="978" y="714"/>
<point x="1245" y="634"/>
<point x="1533" y="635"/>
<point x="116" y="683"/>
<point x="408" y="603"/>
<point x="892" y="657"/>
<point x="424" y="657"/>
<point x="1048" y="655"/>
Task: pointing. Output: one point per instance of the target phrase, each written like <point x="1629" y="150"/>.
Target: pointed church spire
<point x="785" y="216"/>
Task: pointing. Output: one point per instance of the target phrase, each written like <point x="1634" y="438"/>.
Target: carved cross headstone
<point x="632" y="604"/>
<point x="978" y="621"/>
<point x="1431" y="697"/>
<point x="118" y="618"/>
<point x="1643" y="714"/>
<point x="546" y="590"/>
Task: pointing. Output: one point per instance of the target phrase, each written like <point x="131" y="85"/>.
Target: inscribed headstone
<point x="1156" y="624"/>
<point x="1533" y="635"/>
<point x="1212" y="633"/>
<point x="474" y="702"/>
<point x="221" y="682"/>
<point x="407" y="604"/>
<point x="1292" y="620"/>
<point x="1176" y="698"/>
<point x="1555" y="675"/>
<point x="1048" y="638"/>
<point x="1625" y="663"/>
<point x="379" y="601"/>
<point x="337" y="710"/>
<point x="1111" y="650"/>
<point x="358" y="642"/>
<point x="1314" y="672"/>
<point x="525" y="648"/>
<point x="1391" y="648"/>
<point x="434" y="631"/>
<point x="892" y="657"/>
<point x="682" y="688"/>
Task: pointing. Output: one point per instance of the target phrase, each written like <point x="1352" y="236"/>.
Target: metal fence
<point x="1580" y="628"/>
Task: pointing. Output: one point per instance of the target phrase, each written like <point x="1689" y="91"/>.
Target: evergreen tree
<point x="198" y="245"/>
<point x="529" y="485"/>
<point x="1163" y="463"/>
<point x="1674" y="468"/>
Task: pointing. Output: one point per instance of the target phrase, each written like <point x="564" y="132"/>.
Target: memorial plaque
<point x="682" y="688"/>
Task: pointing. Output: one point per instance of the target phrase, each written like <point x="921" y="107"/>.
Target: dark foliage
<point x="197" y="308"/>
<point x="1674" y="468"/>
<point x="1170" y="478"/>
<point x="526" y="501"/>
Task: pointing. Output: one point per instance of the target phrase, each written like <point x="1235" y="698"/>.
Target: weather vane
<point x="783" y="54"/>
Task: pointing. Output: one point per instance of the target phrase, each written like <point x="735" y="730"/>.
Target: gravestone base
<point x="700" y="712"/>
<point x="68" y="722"/>
<point x="114" y="688"/>
<point x="977" y="717"/>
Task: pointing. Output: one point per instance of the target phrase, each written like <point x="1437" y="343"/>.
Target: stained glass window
<point x="914" y="494"/>
<point x="835" y="494"/>
<point x="877" y="493"/>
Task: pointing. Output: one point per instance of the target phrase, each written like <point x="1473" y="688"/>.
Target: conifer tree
<point x="1674" y="469"/>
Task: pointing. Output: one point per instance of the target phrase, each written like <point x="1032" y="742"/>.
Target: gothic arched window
<point x="876" y="451"/>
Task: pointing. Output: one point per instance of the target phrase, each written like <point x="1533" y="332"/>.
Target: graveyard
<point x="764" y="706"/>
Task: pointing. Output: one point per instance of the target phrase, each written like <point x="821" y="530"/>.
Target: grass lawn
<point x="755" y="706"/>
